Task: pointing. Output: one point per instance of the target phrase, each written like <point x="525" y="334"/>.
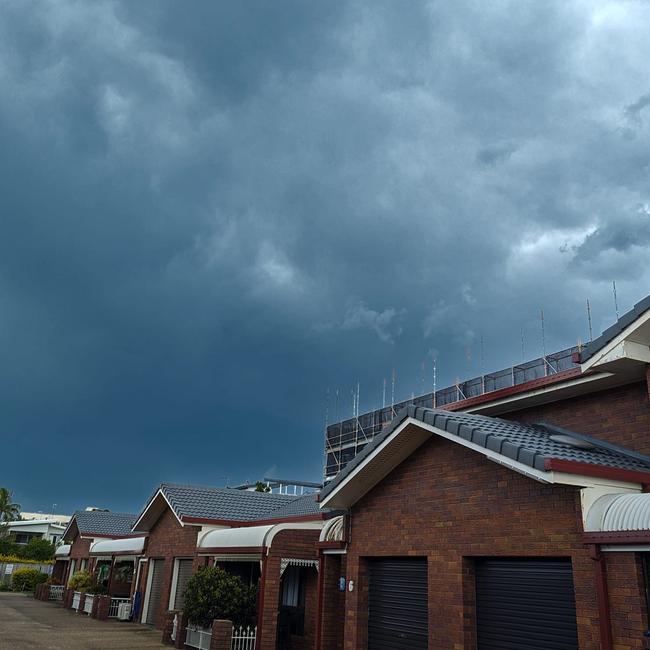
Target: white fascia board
<point x="625" y="350"/>
<point x="150" y="504"/>
<point x="549" y="477"/>
<point x="602" y="354"/>
<point x="366" y="461"/>
<point x="544" y="390"/>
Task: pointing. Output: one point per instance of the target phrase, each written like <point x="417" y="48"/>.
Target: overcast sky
<point x="212" y="212"/>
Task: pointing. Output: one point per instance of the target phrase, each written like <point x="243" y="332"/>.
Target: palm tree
<point x="9" y="511"/>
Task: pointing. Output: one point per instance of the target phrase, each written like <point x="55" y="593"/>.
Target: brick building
<point x="268" y="539"/>
<point x="87" y="527"/>
<point x="464" y="530"/>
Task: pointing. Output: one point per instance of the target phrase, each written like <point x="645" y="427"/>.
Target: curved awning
<point x="126" y="546"/>
<point x="62" y="552"/>
<point x="332" y="530"/>
<point x="619" y="513"/>
<point x="248" y="539"/>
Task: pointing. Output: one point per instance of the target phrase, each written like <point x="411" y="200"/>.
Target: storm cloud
<point x="212" y="217"/>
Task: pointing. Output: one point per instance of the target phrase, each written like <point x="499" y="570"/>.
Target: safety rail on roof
<point x="345" y="439"/>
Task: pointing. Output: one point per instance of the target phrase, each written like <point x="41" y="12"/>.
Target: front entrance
<point x="154" y="591"/>
<point x="525" y="604"/>
<point x="398" y="604"/>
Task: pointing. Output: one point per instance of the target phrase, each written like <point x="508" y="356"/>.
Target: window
<point x="249" y="572"/>
<point x="23" y="538"/>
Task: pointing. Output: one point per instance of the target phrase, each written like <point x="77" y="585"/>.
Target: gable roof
<point x="540" y="447"/>
<point x="201" y="504"/>
<point x="614" y="330"/>
<point x="101" y="523"/>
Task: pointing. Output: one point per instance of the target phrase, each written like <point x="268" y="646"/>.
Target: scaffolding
<point x="345" y="439"/>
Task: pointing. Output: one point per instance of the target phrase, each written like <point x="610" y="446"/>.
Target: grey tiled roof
<point x="529" y="444"/>
<point x="104" y="523"/>
<point x="297" y="507"/>
<point x="612" y="332"/>
<point x="231" y="505"/>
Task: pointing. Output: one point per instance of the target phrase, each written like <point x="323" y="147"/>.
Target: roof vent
<point x="572" y="442"/>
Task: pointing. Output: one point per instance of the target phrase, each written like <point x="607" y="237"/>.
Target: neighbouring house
<point x="266" y="539"/>
<point x="87" y="527"/>
<point x="467" y="531"/>
<point x="24" y="531"/>
<point x="477" y="522"/>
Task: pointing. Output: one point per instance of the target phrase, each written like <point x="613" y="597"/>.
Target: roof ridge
<point x="224" y="489"/>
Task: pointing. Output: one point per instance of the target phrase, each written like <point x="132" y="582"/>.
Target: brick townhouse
<point x="528" y="530"/>
<point x="267" y="539"/>
<point x="86" y="528"/>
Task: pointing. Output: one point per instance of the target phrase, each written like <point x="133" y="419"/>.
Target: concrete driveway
<point x="26" y="623"/>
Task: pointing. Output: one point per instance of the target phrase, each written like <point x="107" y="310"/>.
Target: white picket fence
<point x="56" y="592"/>
<point x="243" y="638"/>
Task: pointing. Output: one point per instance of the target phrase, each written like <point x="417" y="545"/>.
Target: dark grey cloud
<point x="210" y="217"/>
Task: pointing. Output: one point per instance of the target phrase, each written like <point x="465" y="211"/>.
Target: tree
<point x="9" y="511"/>
<point x="214" y="593"/>
<point x="262" y="487"/>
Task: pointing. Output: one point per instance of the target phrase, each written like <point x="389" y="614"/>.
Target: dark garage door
<point x="525" y="604"/>
<point x="397" y="604"/>
<point x="155" y="590"/>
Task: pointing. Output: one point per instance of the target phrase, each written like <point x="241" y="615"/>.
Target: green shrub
<point x="213" y="593"/>
<point x="38" y="549"/>
<point x="27" y="579"/>
<point x="81" y="580"/>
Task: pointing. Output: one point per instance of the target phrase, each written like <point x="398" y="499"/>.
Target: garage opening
<point x="398" y="604"/>
<point x="525" y="604"/>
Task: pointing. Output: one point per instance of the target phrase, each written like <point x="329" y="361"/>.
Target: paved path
<point x="26" y="624"/>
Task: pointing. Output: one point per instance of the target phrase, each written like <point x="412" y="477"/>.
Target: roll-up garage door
<point x="525" y="604"/>
<point x="398" y="604"/>
<point x="155" y="590"/>
<point x="183" y="574"/>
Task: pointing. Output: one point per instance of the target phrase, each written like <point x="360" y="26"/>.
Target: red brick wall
<point x="620" y="415"/>
<point x="451" y="504"/>
<point x="167" y="540"/>
<point x="289" y="544"/>
<point x="333" y="603"/>
<point x="627" y="598"/>
<point x="80" y="549"/>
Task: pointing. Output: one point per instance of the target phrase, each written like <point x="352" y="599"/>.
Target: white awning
<point x="62" y="552"/>
<point x="249" y="539"/>
<point x="126" y="546"/>
<point x="619" y="513"/>
<point x="332" y="530"/>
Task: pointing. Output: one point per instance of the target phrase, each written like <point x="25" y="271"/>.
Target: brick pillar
<point x="221" y="635"/>
<point x="82" y="600"/>
<point x="102" y="605"/>
<point x="168" y="625"/>
<point x="37" y="592"/>
<point x="181" y="631"/>
<point x="67" y="598"/>
<point x="45" y="592"/>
